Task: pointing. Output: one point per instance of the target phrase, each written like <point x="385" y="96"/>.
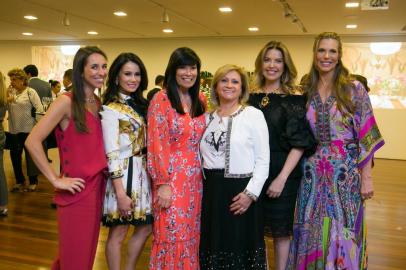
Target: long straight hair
<point x="342" y="84"/>
<point x="289" y="74"/>
<point x="183" y="57"/>
<point x="2" y="90"/>
<point x="113" y="86"/>
<point x="78" y="92"/>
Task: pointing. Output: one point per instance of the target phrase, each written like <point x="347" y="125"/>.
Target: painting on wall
<point x="52" y="61"/>
<point x="384" y="65"/>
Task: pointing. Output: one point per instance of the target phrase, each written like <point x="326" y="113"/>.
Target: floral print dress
<point x="329" y="229"/>
<point x="173" y="159"/>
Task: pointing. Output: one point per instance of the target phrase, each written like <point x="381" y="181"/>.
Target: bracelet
<point x="250" y="195"/>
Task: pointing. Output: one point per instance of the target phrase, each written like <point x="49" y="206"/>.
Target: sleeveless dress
<point x="81" y="155"/>
<point x="173" y="158"/>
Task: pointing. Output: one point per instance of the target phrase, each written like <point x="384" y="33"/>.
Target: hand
<point x="164" y="196"/>
<point x="240" y="204"/>
<point x="367" y="188"/>
<point x="125" y="205"/>
<point x="275" y="188"/>
<point x="72" y="185"/>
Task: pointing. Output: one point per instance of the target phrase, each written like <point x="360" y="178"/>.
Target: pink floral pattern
<point x="173" y="159"/>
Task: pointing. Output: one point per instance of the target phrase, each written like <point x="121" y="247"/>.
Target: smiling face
<point x="17" y="83"/>
<point x="273" y="65"/>
<point x="129" y="78"/>
<point x="327" y="55"/>
<point x="95" y="71"/>
<point x="229" y="87"/>
<point x="186" y="77"/>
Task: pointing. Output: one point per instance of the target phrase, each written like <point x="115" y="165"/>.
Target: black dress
<point x="288" y="128"/>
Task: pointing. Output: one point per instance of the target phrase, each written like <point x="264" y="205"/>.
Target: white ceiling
<point x="190" y="18"/>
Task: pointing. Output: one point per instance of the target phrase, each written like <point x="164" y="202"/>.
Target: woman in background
<point x="81" y="183"/>
<point x="128" y="193"/>
<point x="329" y="228"/>
<point x="3" y="180"/>
<point x="235" y="154"/>
<point x="175" y="125"/>
<point x="21" y="120"/>
<point x="289" y="137"/>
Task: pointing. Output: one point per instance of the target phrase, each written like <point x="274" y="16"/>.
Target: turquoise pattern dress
<point x="329" y="228"/>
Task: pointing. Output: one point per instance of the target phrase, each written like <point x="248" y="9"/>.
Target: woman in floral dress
<point x="175" y="125"/>
<point x="329" y="230"/>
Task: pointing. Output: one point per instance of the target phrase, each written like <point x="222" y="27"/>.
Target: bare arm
<point x="57" y="113"/>
<point x="277" y="185"/>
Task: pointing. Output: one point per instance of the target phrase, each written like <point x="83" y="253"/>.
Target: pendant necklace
<point x="265" y="100"/>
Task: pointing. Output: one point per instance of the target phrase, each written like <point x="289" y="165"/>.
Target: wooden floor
<point x="28" y="236"/>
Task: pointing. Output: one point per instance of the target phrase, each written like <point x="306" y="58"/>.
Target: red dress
<point x="173" y="158"/>
<point x="81" y="155"/>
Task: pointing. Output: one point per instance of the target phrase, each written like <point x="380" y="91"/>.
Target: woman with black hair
<point x="175" y="125"/>
<point x="128" y="194"/>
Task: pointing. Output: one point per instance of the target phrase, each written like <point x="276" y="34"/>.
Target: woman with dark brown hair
<point x="80" y="184"/>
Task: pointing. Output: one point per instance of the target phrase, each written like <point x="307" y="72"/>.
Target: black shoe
<point x="3" y="212"/>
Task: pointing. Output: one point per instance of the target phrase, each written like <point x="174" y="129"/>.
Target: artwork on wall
<point x="384" y="65"/>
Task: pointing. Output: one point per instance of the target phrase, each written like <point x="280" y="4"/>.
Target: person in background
<point x="159" y="81"/>
<point x="235" y="160"/>
<point x="55" y="88"/>
<point x="329" y="227"/>
<point x="67" y="81"/>
<point x="3" y="180"/>
<point x="175" y="125"/>
<point x="128" y="199"/>
<point x="42" y="87"/>
<point x="80" y="185"/>
<point x="21" y="119"/>
<point x="289" y="137"/>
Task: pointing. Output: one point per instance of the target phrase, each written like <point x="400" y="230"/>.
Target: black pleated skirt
<point x="229" y="241"/>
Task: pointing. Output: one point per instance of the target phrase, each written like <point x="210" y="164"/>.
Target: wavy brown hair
<point x="78" y="92"/>
<point x="342" y="84"/>
<point x="289" y="70"/>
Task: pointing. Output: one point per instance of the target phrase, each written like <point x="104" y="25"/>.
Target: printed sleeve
<point x="111" y="133"/>
<point x="369" y="136"/>
<point x="158" y="140"/>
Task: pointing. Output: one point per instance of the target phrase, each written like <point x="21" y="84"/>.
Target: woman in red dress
<point x="80" y="184"/>
<point x="175" y="126"/>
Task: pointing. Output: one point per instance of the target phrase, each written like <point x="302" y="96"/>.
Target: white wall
<point x="215" y="52"/>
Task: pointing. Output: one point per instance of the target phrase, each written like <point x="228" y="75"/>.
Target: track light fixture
<point x="65" y="20"/>
<point x="165" y="17"/>
<point x="290" y="14"/>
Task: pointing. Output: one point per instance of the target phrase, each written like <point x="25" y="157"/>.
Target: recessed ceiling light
<point x="120" y="13"/>
<point x="351" y="26"/>
<point x="225" y="9"/>
<point x="30" y="17"/>
<point x="351" y="4"/>
<point x="27" y="34"/>
<point x="167" y="30"/>
<point x="92" y="33"/>
<point x="253" y="29"/>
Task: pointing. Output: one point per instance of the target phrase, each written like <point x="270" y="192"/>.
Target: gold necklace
<point x="265" y="100"/>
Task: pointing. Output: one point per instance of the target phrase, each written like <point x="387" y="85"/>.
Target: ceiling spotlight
<point x="27" y="34"/>
<point x="65" y="20"/>
<point x="351" y="4"/>
<point x="253" y="29"/>
<point x="225" y="9"/>
<point x="165" y="17"/>
<point x="167" y="30"/>
<point x="120" y="13"/>
<point x="30" y="17"/>
<point x="351" y="26"/>
<point x="93" y="33"/>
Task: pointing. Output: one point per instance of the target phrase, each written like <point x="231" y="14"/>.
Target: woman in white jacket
<point x="235" y="154"/>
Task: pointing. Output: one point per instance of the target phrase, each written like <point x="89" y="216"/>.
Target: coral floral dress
<point x="173" y="159"/>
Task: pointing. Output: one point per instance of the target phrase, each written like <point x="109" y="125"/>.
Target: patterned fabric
<point x="173" y="159"/>
<point x="329" y="230"/>
<point x="124" y="134"/>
